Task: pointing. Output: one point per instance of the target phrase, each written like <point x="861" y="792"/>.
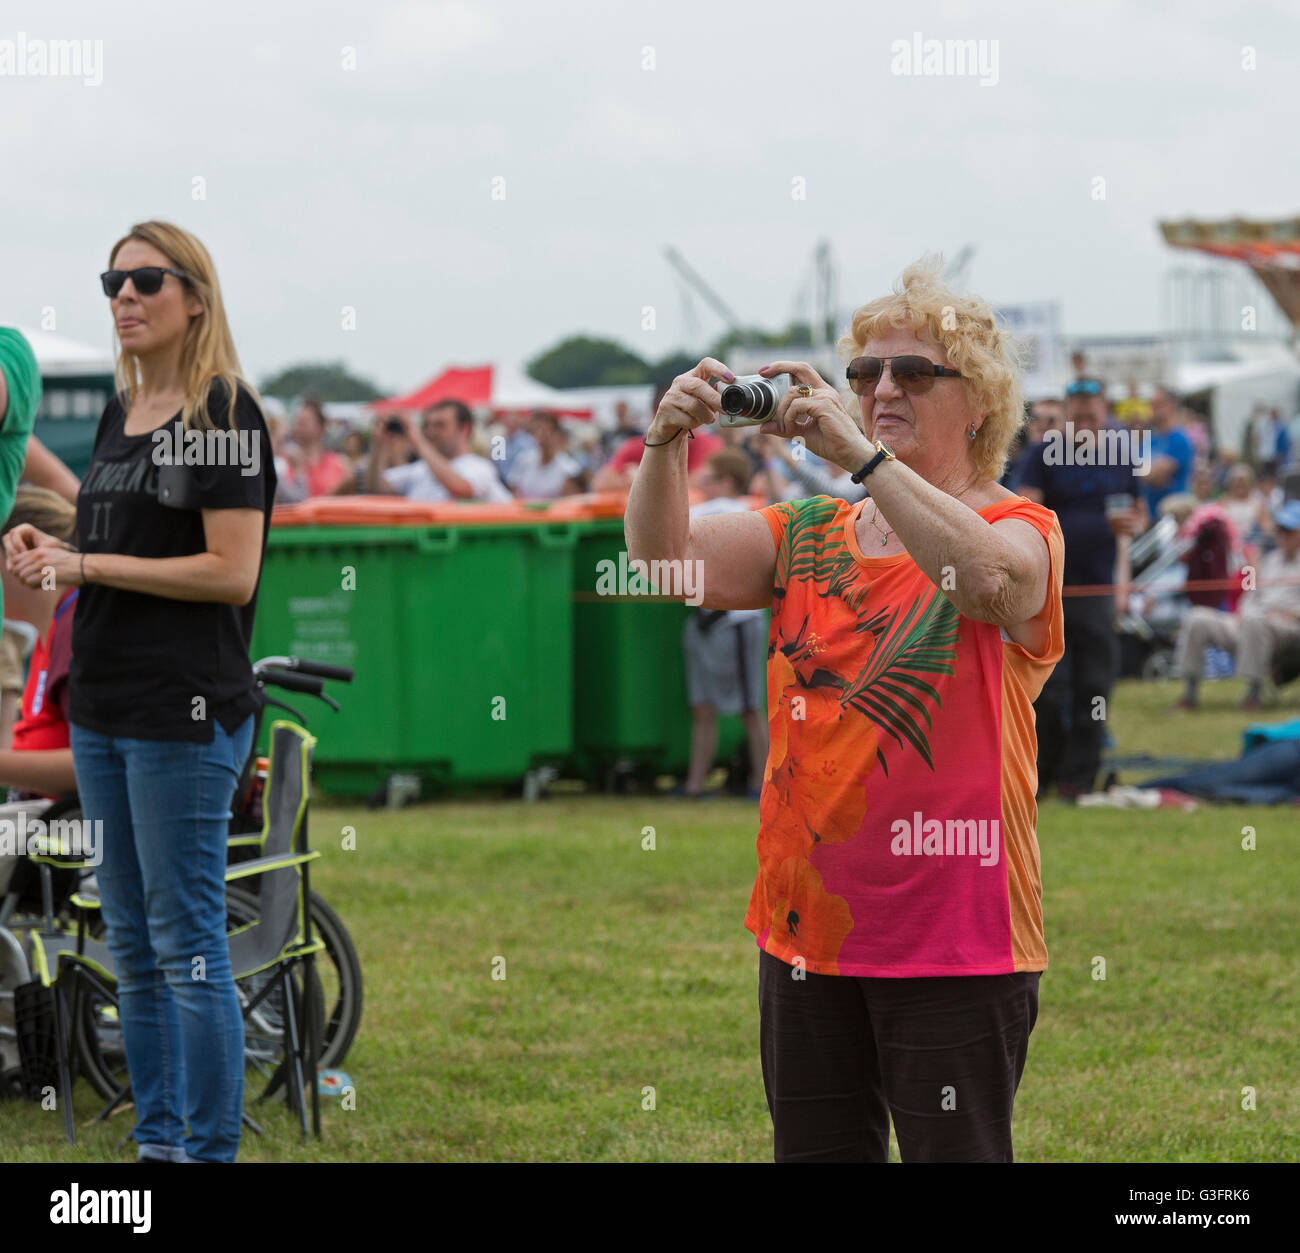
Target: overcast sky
<point x="617" y="129"/>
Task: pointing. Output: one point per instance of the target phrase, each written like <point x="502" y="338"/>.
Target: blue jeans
<point x="166" y="813"/>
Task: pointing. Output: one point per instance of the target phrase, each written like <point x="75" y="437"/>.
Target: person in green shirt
<point x="20" y="395"/>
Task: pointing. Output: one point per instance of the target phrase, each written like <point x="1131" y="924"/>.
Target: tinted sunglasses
<point x="1084" y="387"/>
<point x="914" y="375"/>
<point x="147" y="280"/>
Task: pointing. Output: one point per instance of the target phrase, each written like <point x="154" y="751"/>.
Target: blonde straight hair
<point x="208" y="351"/>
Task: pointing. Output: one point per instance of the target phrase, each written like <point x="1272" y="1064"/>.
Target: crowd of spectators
<point x="447" y="454"/>
<point x="1236" y="510"/>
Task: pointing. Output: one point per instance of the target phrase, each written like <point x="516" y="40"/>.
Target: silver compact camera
<point x="752" y="399"/>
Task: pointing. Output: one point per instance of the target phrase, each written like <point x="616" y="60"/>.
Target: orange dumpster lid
<point x="290" y="515"/>
<point x="362" y="511"/>
<point x="397" y="511"/>
<point x="473" y="511"/>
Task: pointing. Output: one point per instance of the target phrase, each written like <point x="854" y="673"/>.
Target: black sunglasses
<point x="914" y="375"/>
<point x="148" y="279"/>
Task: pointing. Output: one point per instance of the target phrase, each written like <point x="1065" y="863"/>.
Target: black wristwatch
<point x="882" y="454"/>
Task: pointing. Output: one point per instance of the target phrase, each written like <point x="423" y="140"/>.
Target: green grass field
<point x="627" y="970"/>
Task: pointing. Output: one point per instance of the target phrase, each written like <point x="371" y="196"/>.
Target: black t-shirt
<point x="1077" y="495"/>
<point x="141" y="663"/>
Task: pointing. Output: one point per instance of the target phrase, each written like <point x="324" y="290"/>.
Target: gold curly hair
<point x="967" y="331"/>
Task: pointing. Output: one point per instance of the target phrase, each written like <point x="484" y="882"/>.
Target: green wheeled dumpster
<point x="630" y="710"/>
<point x="461" y="636"/>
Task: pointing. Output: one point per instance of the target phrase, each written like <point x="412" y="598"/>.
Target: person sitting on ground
<point x="40" y="761"/>
<point x="1267" y="621"/>
<point x="546" y="470"/>
<point x="446" y="469"/>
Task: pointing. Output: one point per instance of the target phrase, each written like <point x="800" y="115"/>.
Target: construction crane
<point x="695" y="283"/>
<point x="817" y="295"/>
<point x="824" y="296"/>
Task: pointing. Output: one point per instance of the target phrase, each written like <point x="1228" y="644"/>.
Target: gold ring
<point x="804" y="390"/>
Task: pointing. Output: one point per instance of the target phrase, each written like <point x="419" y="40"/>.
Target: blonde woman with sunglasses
<point x="161" y="691"/>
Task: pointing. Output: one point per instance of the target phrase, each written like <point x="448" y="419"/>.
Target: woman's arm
<point x="994" y="573"/>
<point x="47" y="770"/>
<point x="225" y="574"/>
<point x="733" y="554"/>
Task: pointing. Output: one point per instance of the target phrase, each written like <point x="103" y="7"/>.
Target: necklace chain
<point x="884" y="535"/>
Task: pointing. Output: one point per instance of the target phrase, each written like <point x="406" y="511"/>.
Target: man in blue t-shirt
<point x="1085" y="474"/>
<point x="1172" y="451"/>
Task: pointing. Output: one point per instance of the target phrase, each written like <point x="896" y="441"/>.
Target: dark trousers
<point x="1071" y="735"/>
<point x="943" y="1056"/>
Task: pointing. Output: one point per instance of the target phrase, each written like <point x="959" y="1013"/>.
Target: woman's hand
<point x="25" y="537"/>
<point x="30" y="565"/>
<point x="820" y="419"/>
<point x="689" y="402"/>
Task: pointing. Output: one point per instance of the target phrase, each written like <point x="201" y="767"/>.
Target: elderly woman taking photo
<point x="897" y="907"/>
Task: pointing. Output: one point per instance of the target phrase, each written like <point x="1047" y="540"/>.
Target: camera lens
<point x="734" y="398"/>
<point x="748" y="400"/>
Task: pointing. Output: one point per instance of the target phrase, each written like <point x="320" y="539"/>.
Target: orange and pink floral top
<point x="897" y="820"/>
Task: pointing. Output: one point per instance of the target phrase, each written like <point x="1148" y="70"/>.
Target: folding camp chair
<point x="271" y="948"/>
<point x="271" y="954"/>
<point x="42" y="1020"/>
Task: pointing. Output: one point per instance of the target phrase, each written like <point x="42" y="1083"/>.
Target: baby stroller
<point x="1148" y="626"/>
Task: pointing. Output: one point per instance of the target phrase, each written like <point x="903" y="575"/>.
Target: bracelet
<point x="663" y="443"/>
<point x="83" y="569"/>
